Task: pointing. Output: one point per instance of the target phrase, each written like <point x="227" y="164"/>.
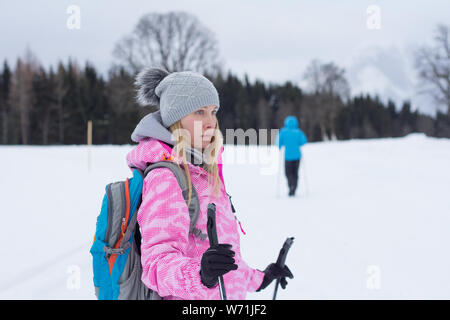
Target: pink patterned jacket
<point x="170" y="255"/>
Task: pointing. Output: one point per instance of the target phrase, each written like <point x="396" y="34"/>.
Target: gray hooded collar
<point x="151" y="126"/>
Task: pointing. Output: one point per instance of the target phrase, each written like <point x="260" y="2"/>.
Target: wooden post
<point x="89" y="143"/>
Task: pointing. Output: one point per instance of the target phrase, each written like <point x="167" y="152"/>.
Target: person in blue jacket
<point x="292" y="138"/>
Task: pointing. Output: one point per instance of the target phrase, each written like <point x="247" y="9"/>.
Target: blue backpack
<point x="115" y="251"/>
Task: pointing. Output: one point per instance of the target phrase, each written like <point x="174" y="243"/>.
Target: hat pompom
<point x="147" y="80"/>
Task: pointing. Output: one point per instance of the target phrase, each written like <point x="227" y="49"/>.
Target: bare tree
<point x="120" y="92"/>
<point x="433" y="65"/>
<point x="4" y="101"/>
<point x="176" y="41"/>
<point x="45" y="102"/>
<point x="22" y="91"/>
<point x="60" y="92"/>
<point x="329" y="89"/>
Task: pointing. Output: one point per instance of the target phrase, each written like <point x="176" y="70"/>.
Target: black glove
<point x="273" y="271"/>
<point x="216" y="261"/>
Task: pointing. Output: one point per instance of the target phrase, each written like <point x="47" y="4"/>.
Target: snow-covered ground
<point x="371" y="219"/>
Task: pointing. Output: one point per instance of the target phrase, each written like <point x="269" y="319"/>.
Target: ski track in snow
<point x="360" y="203"/>
<point x="35" y="271"/>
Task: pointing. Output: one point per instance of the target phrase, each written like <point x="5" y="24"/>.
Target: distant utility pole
<point x="89" y="143"/>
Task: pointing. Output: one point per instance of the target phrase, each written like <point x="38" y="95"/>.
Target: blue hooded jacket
<point x="292" y="137"/>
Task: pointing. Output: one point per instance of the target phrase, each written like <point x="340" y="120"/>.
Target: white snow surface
<point x="371" y="218"/>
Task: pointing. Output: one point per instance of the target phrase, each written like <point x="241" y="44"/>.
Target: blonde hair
<point x="211" y="157"/>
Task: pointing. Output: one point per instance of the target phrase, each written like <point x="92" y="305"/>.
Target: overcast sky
<point x="270" y="40"/>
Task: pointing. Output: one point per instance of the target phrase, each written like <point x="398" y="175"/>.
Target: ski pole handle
<point x="213" y="241"/>
<point x="282" y="259"/>
<point x="283" y="252"/>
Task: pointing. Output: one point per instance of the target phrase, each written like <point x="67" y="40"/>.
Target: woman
<point x="175" y="263"/>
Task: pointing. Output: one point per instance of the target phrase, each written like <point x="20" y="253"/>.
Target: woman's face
<point x="201" y="124"/>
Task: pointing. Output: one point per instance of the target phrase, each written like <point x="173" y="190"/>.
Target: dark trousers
<point x="291" y="171"/>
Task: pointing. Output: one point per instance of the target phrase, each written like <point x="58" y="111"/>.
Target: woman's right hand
<point x="216" y="261"/>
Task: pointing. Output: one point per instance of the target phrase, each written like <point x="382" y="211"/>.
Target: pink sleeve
<point x="256" y="279"/>
<point x="164" y="221"/>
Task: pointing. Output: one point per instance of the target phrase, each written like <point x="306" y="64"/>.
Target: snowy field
<point x="371" y="219"/>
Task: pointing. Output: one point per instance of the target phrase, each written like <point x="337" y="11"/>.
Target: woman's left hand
<point x="273" y="271"/>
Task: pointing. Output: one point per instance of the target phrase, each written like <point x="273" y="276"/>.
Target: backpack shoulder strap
<point x="194" y="206"/>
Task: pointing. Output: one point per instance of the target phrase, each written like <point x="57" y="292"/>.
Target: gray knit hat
<point x="177" y="94"/>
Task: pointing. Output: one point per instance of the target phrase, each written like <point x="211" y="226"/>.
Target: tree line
<point x="45" y="107"/>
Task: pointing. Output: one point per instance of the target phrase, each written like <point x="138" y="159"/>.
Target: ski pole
<point x="304" y="176"/>
<point x="213" y="241"/>
<point x="282" y="259"/>
<point x="280" y="169"/>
